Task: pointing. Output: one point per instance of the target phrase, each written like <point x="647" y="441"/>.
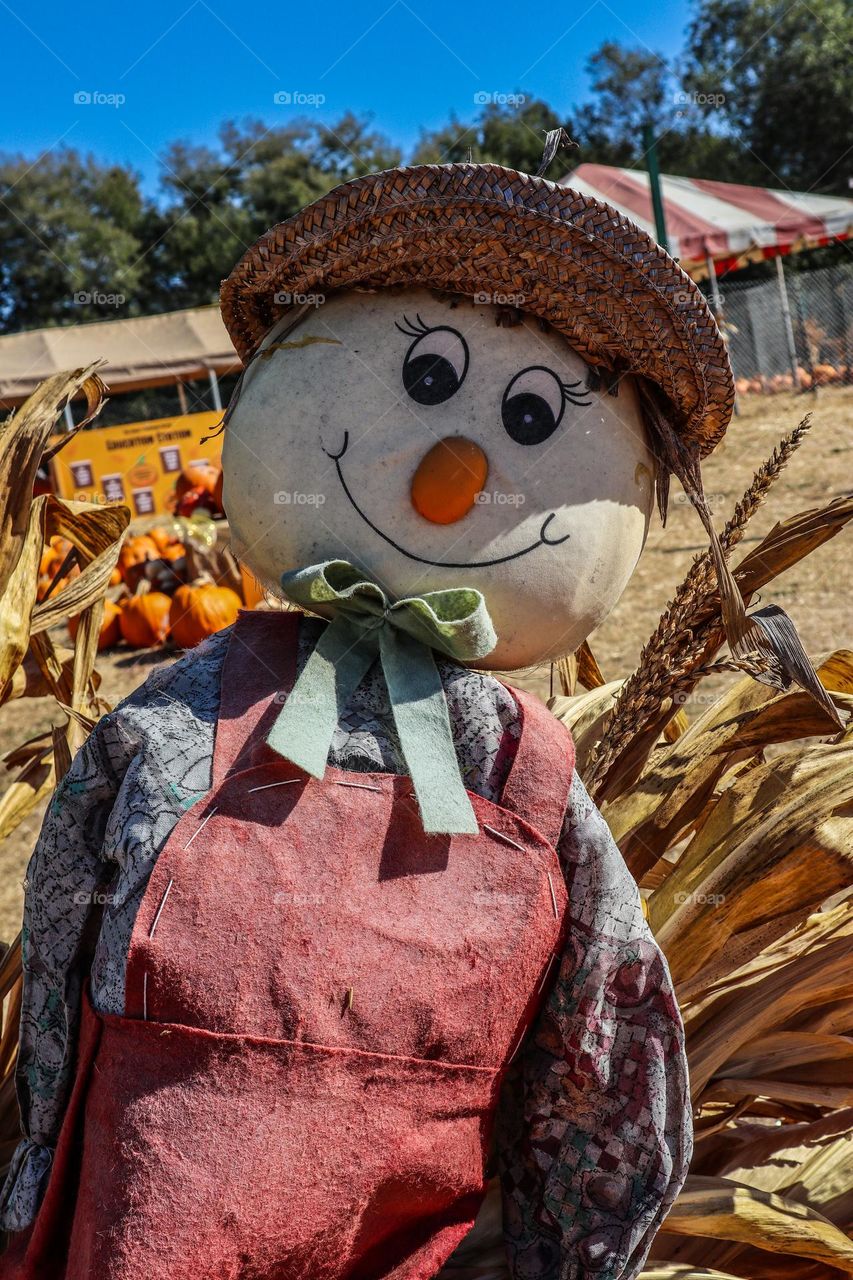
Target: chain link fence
<point x="794" y="331"/>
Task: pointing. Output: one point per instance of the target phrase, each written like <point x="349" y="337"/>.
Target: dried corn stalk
<point x="31" y="665"/>
<point x="739" y="828"/>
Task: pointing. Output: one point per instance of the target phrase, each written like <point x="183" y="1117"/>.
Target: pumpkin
<point x="198" y="611"/>
<point x="824" y="374"/>
<point x="49" y="563"/>
<point x="196" y="475"/>
<point x="163" y="537"/>
<point x="191" y="499"/>
<point x="253" y="591"/>
<point x="53" y="555"/>
<point x="45" y="579"/>
<point x="110" y="632"/>
<point x="115" y="577"/>
<point x="144" y="619"/>
<point x="137" y="550"/>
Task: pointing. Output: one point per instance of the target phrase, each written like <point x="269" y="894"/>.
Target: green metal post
<point x="650" y="147"/>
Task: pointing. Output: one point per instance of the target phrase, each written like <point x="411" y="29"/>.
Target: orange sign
<point x="136" y="464"/>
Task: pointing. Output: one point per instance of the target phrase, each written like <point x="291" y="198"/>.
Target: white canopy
<point x="149" y="351"/>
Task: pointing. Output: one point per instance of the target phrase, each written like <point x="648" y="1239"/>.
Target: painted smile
<point x="542" y="540"/>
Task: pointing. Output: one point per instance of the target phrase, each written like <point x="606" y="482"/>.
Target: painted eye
<point x="435" y="364"/>
<point x="534" y="402"/>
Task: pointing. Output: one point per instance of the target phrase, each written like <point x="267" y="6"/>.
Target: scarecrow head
<point x="451" y="376"/>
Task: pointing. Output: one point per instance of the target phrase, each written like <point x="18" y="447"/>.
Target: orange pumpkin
<point x="115" y="577"/>
<point x="163" y="537"/>
<point x="196" y="475"/>
<point x="144" y="619"/>
<point x="198" y="611"/>
<point x="110" y="632"/>
<point x="49" y="563"/>
<point x="53" y="555"/>
<point x="137" y="550"/>
<point x="46" y="579"/>
<point x="824" y="374"/>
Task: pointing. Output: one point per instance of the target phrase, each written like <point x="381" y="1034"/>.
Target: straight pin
<point x="201" y="828"/>
<point x="553" y="897"/>
<point x="350" y="997"/>
<point x="499" y="835"/>
<point x="145" y="997"/>
<point x="518" y="1045"/>
<point x="365" y="786"/>
<point x="286" y="783"/>
<point x="160" y="908"/>
<point x="546" y="974"/>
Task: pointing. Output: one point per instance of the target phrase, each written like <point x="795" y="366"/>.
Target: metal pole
<point x="651" y="150"/>
<point x="717" y="306"/>
<point x="846" y="329"/>
<point x="716" y="296"/>
<point x="787" y="322"/>
<point x="214" y="388"/>
<point x="803" y="332"/>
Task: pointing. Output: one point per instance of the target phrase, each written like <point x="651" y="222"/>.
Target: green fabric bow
<point x="366" y="625"/>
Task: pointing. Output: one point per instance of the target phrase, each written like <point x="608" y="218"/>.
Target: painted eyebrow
<point x="294" y="344"/>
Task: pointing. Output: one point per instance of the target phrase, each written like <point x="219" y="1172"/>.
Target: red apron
<point x="321" y="1004"/>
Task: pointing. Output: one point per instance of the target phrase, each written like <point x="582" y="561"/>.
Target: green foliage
<point x="786" y="73"/>
<point x="504" y="134"/>
<point x="71" y="230"/>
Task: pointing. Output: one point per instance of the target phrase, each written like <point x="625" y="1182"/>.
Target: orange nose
<point x="448" y="479"/>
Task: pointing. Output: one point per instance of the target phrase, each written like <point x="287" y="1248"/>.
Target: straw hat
<point x="474" y="229"/>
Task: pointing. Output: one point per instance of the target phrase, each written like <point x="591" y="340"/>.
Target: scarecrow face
<point x="434" y="448"/>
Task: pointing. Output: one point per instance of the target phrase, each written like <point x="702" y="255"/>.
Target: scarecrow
<point x="332" y="969"/>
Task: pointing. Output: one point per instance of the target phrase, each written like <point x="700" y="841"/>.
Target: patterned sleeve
<point x="66" y="880"/>
<point x="595" y="1133"/>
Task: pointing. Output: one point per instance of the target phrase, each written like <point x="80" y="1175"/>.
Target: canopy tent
<point x="726" y="223"/>
<point x="150" y="351"/>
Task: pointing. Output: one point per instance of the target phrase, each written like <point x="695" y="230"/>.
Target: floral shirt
<point x="593" y="1138"/>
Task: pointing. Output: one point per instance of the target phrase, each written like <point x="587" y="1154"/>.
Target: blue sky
<point x="181" y="68"/>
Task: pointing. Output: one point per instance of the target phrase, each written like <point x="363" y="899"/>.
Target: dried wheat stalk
<point x="679" y="643"/>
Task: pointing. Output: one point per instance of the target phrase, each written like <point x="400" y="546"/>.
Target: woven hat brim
<point x="618" y="298"/>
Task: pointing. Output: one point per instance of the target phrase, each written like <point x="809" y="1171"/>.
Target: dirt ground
<point x="815" y="593"/>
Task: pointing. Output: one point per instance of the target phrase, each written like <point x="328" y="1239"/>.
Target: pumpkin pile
<point x="821" y="375"/>
<point x="159" y="595"/>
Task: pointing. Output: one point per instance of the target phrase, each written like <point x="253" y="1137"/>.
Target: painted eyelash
<point x="574" y="397"/>
<point x="411" y="329"/>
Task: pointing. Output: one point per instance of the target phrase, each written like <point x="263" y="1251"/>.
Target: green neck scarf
<point x="366" y="625"/>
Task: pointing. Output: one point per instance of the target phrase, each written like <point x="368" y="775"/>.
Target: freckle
<point x="642" y="475"/>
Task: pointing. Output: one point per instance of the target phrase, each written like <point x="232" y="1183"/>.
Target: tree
<point x="786" y="77"/>
<point x="634" y="88"/>
<point x="512" y="134"/>
<point x="219" y="202"/>
<point x="72" y="243"/>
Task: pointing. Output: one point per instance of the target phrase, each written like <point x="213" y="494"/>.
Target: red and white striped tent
<point x="726" y="222"/>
